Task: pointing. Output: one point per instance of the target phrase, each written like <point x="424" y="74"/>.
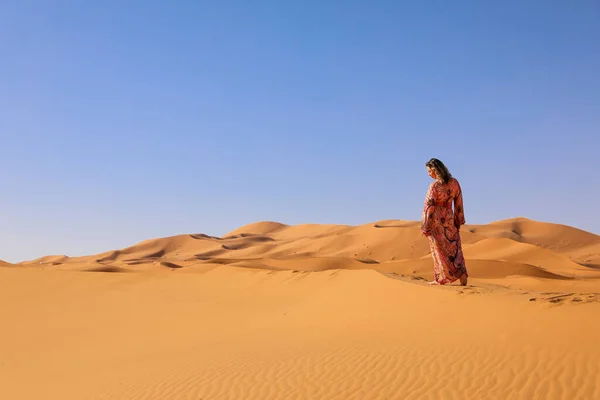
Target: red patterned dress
<point x="441" y="226"/>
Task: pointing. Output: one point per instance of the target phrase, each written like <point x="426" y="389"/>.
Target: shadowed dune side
<point x="103" y="268"/>
<point x="309" y="264"/>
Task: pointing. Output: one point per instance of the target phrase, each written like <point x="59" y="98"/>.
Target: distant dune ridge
<point x="518" y="246"/>
<point x="271" y="311"/>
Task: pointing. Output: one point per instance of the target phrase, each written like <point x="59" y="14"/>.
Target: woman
<point x="441" y="225"/>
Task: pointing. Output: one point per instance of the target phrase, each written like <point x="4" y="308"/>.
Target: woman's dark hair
<point x="440" y="170"/>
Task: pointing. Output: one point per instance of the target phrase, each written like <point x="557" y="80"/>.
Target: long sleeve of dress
<point x="427" y="211"/>
<point x="459" y="210"/>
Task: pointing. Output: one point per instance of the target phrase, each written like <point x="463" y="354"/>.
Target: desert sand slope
<point x="271" y="311"/>
<point x="240" y="333"/>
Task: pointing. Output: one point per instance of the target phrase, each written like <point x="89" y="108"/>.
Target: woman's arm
<point x="459" y="208"/>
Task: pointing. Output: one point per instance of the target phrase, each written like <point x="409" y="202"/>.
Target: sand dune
<point x="573" y="242"/>
<point x="271" y="311"/>
<point x="559" y="250"/>
<point x="509" y="250"/>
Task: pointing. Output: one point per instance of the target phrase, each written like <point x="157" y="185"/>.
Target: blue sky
<point x="122" y="121"/>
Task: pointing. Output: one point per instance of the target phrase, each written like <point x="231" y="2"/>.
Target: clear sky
<point x="122" y="121"/>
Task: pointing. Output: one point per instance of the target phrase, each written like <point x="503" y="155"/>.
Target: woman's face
<point x="431" y="172"/>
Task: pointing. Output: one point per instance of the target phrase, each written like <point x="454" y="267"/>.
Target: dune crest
<point x="513" y="247"/>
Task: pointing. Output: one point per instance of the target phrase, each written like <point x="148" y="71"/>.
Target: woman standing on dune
<point x="441" y="225"/>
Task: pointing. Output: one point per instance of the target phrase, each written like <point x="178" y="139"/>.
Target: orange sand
<point x="271" y="311"/>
